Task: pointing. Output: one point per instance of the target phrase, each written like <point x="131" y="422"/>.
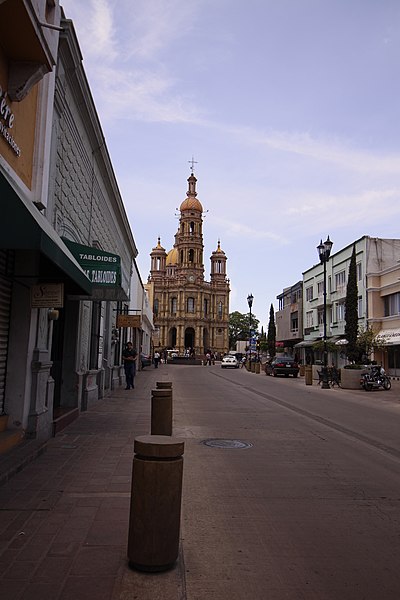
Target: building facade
<point x="190" y="313"/>
<point x="67" y="253"/>
<point x="378" y="283"/>
<point x="289" y="317"/>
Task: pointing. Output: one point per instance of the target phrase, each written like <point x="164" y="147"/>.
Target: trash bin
<point x="257" y="367"/>
<point x="308" y="374"/>
<point x="155" y="512"/>
<point x="302" y="370"/>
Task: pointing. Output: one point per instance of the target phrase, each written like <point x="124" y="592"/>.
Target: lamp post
<point x="324" y="251"/>
<point x="250" y="303"/>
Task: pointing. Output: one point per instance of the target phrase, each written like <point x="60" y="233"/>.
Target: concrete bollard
<point x="161" y="412"/>
<point x="164" y="385"/>
<point x="308" y="375"/>
<point x="154" y="522"/>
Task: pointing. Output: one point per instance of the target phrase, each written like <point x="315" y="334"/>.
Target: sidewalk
<point x="64" y="517"/>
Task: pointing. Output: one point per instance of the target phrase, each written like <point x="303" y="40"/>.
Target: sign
<point x="102" y="268"/>
<point x="389" y="336"/>
<point x="129" y="321"/>
<point x="7" y="118"/>
<point x="47" y="295"/>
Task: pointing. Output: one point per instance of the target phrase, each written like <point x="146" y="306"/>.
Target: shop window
<point x="95" y="335"/>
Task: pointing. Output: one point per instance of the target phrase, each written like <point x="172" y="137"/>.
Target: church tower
<point x="190" y="314"/>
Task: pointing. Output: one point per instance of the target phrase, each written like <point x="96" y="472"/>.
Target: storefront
<point x="389" y="356"/>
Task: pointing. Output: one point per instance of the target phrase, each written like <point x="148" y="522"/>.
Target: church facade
<point x="190" y="314"/>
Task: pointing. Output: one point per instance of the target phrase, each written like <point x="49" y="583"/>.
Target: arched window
<point x="190" y="305"/>
<point x="220" y="310"/>
<point x="205" y="306"/>
<point x="174" y="305"/>
<point x="191" y="255"/>
<point x="181" y="257"/>
<point x="155" y="306"/>
<point x="191" y="228"/>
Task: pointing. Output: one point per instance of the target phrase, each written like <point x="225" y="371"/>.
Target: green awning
<point x="23" y="227"/>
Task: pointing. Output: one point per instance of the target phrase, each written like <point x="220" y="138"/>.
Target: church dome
<point x="172" y="257"/>
<point x="191" y="203"/>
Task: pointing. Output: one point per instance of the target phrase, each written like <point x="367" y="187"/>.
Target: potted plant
<point x="367" y="341"/>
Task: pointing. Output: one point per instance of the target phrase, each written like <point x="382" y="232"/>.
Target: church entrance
<point x="189" y="338"/>
<point x="172" y="338"/>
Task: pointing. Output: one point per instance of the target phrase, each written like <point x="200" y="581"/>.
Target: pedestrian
<point x="156" y="359"/>
<point x="208" y="358"/>
<point x="129" y="357"/>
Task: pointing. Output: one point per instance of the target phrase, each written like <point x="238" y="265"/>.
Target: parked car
<point x="145" y="360"/>
<point x="229" y="362"/>
<point x="284" y="365"/>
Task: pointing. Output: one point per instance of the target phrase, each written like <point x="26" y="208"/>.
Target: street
<point x="300" y="500"/>
<point x="311" y="510"/>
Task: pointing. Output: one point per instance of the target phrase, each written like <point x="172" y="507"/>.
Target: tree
<point x="351" y="311"/>
<point x="239" y="327"/>
<point x="367" y="341"/>
<point x="271" y="336"/>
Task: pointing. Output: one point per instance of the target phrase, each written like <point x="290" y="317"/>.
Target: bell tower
<point x="218" y="266"/>
<point x="189" y="238"/>
<point x="158" y="262"/>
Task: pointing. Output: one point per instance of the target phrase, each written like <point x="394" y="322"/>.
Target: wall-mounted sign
<point x="47" y="295"/>
<point x="7" y="118"/>
<point x="129" y="321"/>
<point x="101" y="268"/>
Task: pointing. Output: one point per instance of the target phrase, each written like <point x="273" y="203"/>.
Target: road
<point x="310" y="510"/>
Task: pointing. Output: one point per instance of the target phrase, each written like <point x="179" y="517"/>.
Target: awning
<point x="23" y="227"/>
<point x="305" y="344"/>
<point x="391" y="337"/>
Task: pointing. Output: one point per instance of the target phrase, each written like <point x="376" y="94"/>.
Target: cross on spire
<point x="192" y="163"/>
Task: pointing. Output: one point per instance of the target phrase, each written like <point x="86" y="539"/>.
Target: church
<point x="191" y="315"/>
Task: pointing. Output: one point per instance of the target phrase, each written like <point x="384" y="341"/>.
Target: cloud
<point x="144" y="89"/>
<point x="334" y="151"/>
<point x="156" y="24"/>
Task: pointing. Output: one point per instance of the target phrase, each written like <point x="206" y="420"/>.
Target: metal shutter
<point x="6" y="269"/>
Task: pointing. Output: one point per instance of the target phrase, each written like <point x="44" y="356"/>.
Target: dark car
<point x="145" y="360"/>
<point x="285" y="365"/>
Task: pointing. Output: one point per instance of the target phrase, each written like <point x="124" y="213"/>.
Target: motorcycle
<point x="376" y="378"/>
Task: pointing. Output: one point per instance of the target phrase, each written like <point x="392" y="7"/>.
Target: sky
<point x="290" y="109"/>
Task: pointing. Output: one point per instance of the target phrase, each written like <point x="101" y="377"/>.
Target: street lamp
<point x="250" y="303"/>
<point x="324" y="251"/>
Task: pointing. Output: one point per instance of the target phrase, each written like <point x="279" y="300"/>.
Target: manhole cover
<point x="217" y="443"/>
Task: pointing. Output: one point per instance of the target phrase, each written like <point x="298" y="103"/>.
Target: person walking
<point x="156" y="359"/>
<point x="129" y="357"/>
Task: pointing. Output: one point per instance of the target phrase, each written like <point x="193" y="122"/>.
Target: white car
<point x="229" y="362"/>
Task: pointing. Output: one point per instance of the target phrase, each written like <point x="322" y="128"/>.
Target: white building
<point x="378" y="269"/>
